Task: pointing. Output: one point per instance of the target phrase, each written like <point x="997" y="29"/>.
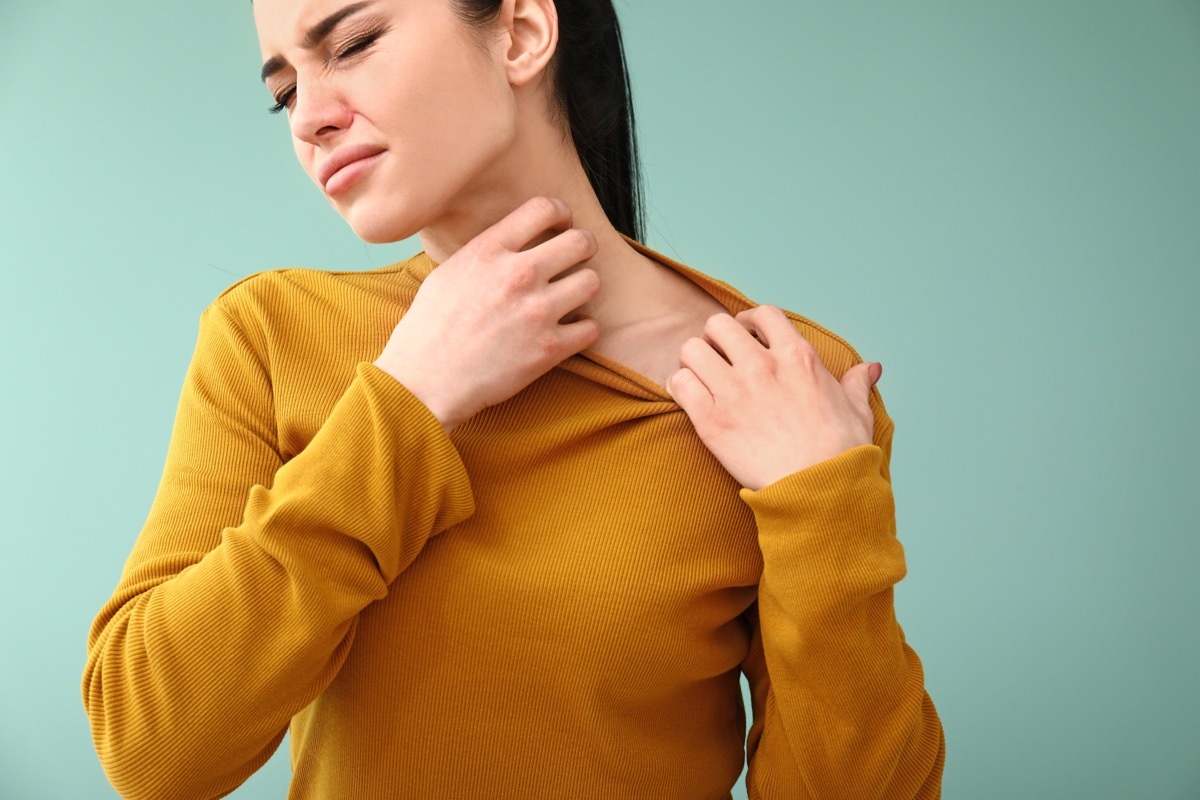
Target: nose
<point x="319" y="111"/>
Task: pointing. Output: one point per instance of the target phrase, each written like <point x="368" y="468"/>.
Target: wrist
<point x="441" y="408"/>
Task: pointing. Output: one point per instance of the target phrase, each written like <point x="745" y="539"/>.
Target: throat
<point x="646" y="312"/>
<point x="651" y="348"/>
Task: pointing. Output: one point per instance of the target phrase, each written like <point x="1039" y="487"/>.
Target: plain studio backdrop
<point x="999" y="201"/>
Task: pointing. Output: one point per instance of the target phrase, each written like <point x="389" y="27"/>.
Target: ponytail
<point x="592" y="94"/>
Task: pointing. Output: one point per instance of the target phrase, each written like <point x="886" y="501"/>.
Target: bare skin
<point x="410" y="125"/>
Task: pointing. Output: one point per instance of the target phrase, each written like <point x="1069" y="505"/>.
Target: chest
<point x="652" y="349"/>
<point x="603" y="509"/>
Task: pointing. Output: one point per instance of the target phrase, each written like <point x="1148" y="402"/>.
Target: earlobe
<point x="532" y="27"/>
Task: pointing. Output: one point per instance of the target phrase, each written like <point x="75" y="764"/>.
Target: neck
<point x="543" y="162"/>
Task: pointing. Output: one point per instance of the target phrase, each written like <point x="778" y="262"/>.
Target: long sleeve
<point x="239" y="602"/>
<point x="840" y="707"/>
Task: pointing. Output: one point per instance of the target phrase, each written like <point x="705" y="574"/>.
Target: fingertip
<point x="591" y="328"/>
<point x="593" y="282"/>
<point x="675" y="384"/>
<point x="557" y="214"/>
<point x="580" y="330"/>
<point x="874" y="372"/>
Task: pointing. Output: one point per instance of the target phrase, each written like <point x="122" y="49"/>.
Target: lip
<point x="342" y="158"/>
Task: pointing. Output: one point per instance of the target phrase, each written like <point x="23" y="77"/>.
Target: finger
<point x="562" y="251"/>
<point x="876" y="371"/>
<point x="578" y="335"/>
<point x="705" y="363"/>
<point x="689" y="392"/>
<point x="857" y="381"/>
<point x="528" y="221"/>
<point x="571" y="291"/>
<point x="771" y="324"/>
<point x="732" y="339"/>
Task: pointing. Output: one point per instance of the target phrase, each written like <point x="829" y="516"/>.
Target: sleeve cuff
<point x="829" y="521"/>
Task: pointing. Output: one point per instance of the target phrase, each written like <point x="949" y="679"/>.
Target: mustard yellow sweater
<point x="553" y="601"/>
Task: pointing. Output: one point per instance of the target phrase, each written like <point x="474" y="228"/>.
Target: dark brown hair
<point x="593" y="97"/>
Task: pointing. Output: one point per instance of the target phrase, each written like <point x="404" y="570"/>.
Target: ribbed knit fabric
<point x="553" y="601"/>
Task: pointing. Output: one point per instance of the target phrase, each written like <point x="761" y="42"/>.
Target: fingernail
<point x="875" y="371"/>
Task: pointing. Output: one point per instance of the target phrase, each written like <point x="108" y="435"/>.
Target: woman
<point x="509" y="527"/>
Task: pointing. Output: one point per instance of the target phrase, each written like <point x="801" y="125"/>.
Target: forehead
<point x="282" y="24"/>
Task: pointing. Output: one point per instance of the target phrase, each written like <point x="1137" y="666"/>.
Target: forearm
<point x="848" y="696"/>
<point x="201" y="658"/>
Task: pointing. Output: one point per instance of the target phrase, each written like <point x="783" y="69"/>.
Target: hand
<point x="487" y="322"/>
<point x="766" y="407"/>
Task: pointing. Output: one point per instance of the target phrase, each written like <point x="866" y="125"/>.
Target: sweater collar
<point x="600" y="368"/>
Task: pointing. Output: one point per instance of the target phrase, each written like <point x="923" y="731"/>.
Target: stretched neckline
<point x="729" y="297"/>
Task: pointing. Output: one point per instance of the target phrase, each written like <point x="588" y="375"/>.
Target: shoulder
<point x="287" y="297"/>
<point x="837" y="354"/>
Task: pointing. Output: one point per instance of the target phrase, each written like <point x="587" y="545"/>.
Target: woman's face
<point x="402" y="91"/>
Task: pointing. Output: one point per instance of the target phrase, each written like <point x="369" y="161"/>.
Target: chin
<point x="381" y="226"/>
<point x="381" y="236"/>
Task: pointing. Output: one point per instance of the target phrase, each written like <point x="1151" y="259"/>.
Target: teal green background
<point x="999" y="201"/>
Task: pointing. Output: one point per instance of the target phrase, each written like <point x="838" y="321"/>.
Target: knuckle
<point x="807" y="357"/>
<point x="760" y="363"/>
<point x="483" y="246"/>
<point x="546" y="345"/>
<point x="721" y="421"/>
<point x="534" y="311"/>
<point x="486" y="248"/>
<point x="520" y="277"/>
<point x="795" y="346"/>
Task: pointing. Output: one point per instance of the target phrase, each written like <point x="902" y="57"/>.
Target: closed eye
<point x="281" y="102"/>
<point x="357" y="46"/>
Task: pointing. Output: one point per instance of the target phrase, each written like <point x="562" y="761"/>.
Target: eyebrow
<point x="313" y="38"/>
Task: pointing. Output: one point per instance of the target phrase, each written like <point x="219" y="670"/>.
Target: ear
<point x="531" y="28"/>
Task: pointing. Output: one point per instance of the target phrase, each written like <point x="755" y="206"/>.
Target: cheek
<point x="457" y="91"/>
<point x="472" y="118"/>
